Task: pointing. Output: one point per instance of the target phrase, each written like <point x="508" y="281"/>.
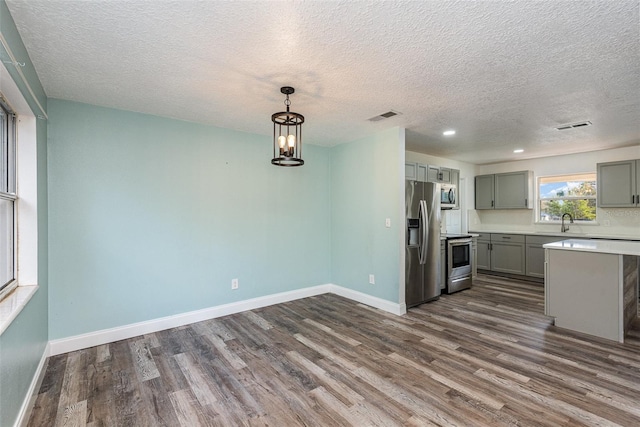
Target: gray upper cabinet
<point x="619" y="184"/>
<point x="410" y="171"/>
<point x="430" y="173"/>
<point x="439" y="174"/>
<point x="484" y="191"/>
<point x="422" y="173"/>
<point x="415" y="171"/>
<point x="511" y="190"/>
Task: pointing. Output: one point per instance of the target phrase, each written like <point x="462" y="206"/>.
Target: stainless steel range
<point x="458" y="255"/>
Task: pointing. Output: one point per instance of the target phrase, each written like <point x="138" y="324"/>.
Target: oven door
<point x="458" y="258"/>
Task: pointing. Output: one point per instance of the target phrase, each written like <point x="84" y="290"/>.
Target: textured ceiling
<point x="503" y="74"/>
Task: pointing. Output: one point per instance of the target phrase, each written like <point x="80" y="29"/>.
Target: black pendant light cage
<point x="287" y="135"/>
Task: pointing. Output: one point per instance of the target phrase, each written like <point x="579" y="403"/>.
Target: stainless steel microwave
<point x="448" y="196"/>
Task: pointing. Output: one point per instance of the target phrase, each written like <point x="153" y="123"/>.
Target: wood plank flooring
<point x="482" y="357"/>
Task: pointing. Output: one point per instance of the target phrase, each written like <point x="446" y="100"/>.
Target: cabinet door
<point x="474" y="258"/>
<point x="535" y="260"/>
<point x="507" y="257"/>
<point x="483" y="255"/>
<point x="422" y="172"/>
<point x="433" y="173"/>
<point x="484" y="186"/>
<point x="410" y="171"/>
<point x="617" y="184"/>
<point x="534" y="253"/>
<point x="445" y="175"/>
<point x="442" y="274"/>
<point x="512" y="190"/>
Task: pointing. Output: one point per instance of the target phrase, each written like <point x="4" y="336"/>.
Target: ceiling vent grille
<point x="574" y="125"/>
<point x="383" y="116"/>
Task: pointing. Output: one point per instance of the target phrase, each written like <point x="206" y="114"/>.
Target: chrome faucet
<point x="566" y="227"/>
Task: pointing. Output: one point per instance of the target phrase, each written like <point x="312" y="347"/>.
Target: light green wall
<point x="365" y="190"/>
<point x="23" y="343"/>
<point x="151" y="217"/>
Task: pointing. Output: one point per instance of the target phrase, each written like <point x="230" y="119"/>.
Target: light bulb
<point x="291" y="139"/>
<point x="281" y="141"/>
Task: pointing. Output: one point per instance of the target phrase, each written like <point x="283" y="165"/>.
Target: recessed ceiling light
<point x="519" y="150"/>
<point x="449" y="132"/>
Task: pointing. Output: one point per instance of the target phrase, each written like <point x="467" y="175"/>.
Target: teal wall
<point x="23" y="343"/>
<point x="151" y="217"/>
<point x="365" y="189"/>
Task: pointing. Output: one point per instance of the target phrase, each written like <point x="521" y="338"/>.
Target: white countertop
<point x="567" y="235"/>
<point x="617" y="247"/>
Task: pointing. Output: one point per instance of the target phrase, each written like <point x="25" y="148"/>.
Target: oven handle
<point x="459" y="242"/>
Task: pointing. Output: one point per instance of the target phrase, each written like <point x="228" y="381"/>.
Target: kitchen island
<point x="591" y="286"/>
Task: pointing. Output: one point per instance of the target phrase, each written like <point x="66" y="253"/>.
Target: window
<point x="7" y="199"/>
<point x="572" y="194"/>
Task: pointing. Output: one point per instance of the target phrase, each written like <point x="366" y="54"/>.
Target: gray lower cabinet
<point x="443" y="265"/>
<point x="502" y="253"/>
<point x="517" y="254"/>
<point x="619" y="184"/>
<point x="535" y="254"/>
<point x="483" y="252"/>
<point x="507" y="253"/>
<point x="474" y="257"/>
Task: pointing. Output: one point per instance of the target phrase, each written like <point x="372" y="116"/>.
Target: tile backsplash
<point x="610" y="222"/>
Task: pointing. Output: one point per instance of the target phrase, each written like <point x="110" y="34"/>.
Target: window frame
<point x="8" y="190"/>
<point x="567" y="177"/>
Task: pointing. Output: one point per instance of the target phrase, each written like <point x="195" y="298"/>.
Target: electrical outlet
<point x="387" y="222"/>
<point x="372" y="279"/>
<point x="234" y="283"/>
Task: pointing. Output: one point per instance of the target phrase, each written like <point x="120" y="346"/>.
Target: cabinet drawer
<point x="484" y="237"/>
<point x="513" y="238"/>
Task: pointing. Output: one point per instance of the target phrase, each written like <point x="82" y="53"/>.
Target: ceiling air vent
<point x="574" y="125"/>
<point x="383" y="116"/>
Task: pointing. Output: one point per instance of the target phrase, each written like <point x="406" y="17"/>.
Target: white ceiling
<point x="503" y="74"/>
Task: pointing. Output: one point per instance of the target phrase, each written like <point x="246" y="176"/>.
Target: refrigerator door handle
<point x="420" y="233"/>
<point x="424" y="223"/>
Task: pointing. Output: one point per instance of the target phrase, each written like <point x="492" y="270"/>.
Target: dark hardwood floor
<point x="482" y="357"/>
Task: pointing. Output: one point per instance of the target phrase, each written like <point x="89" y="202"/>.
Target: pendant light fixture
<point x="287" y="134"/>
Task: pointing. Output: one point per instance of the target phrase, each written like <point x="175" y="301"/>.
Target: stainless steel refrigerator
<point x="422" y="203"/>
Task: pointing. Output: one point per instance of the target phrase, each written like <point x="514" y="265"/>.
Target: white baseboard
<point x="36" y="382"/>
<point x="382" y="304"/>
<point x="105" y="336"/>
